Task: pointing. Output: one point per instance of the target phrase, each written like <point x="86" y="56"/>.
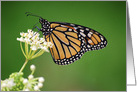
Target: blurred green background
<point x="102" y="70"/>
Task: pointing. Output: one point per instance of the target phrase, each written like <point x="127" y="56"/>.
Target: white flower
<point x="33" y="47"/>
<point x="37" y="35"/>
<point x="32" y="67"/>
<point x="30" y="31"/>
<point x="33" y="39"/>
<point x="42" y="39"/>
<point x="45" y="43"/>
<point x="25" y="81"/>
<point x="40" y="85"/>
<point x="20" y="39"/>
<point x="45" y="49"/>
<point x="22" y="34"/>
<point x="36" y="88"/>
<point x="27" y="40"/>
<point x="30" y="77"/>
<point x="41" y="80"/>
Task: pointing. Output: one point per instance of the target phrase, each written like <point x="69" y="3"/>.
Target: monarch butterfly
<point x="70" y="41"/>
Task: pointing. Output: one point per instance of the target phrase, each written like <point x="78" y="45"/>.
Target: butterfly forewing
<point x="68" y="46"/>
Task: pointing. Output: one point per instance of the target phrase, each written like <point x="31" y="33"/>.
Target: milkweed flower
<point x="32" y="40"/>
<point x="35" y="45"/>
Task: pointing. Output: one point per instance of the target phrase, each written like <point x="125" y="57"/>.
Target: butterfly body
<point x="70" y="41"/>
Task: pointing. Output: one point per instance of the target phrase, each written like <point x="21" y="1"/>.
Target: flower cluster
<point x="33" y="43"/>
<point x="7" y="84"/>
<point x="32" y="38"/>
<point x="16" y="82"/>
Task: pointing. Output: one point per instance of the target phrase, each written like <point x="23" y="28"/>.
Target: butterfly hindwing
<point x="93" y="39"/>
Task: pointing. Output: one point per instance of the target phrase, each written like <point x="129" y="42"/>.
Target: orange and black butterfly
<point x="70" y="41"/>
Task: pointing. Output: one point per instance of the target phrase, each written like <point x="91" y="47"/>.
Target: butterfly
<point x="70" y="41"/>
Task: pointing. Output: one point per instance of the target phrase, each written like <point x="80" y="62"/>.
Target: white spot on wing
<point x="105" y="42"/>
<point x="83" y="34"/>
<point x="81" y="30"/>
<point x="64" y="26"/>
<point x="89" y="35"/>
<point x="102" y="38"/>
<point x="76" y="28"/>
<point x="72" y="24"/>
<point x="79" y="27"/>
<point x="87" y="29"/>
<point x="70" y="29"/>
<point x="89" y="41"/>
<point x="88" y="46"/>
<point x="90" y="32"/>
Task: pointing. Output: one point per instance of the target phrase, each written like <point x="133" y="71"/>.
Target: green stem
<point x="38" y="54"/>
<point x="22" y="50"/>
<point x="33" y="52"/>
<point x="32" y="72"/>
<point x="26" y="48"/>
<point x="29" y="53"/>
<point x="26" y="61"/>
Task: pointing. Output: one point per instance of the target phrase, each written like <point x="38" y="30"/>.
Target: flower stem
<point x="22" y="49"/>
<point x="26" y="61"/>
<point x="33" y="52"/>
<point x="29" y="53"/>
<point x="26" y="48"/>
<point x="38" y="54"/>
<point x="32" y="72"/>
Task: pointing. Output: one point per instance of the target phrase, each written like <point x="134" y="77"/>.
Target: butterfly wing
<point x="71" y="41"/>
<point x="93" y="39"/>
<point x="68" y="46"/>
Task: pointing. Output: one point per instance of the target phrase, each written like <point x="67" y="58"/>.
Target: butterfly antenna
<point x="30" y="14"/>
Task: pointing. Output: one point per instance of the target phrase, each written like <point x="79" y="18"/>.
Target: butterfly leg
<point x="37" y="31"/>
<point x="37" y="28"/>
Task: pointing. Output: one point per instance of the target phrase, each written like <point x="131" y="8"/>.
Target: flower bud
<point x="30" y="77"/>
<point x="25" y="81"/>
<point x="32" y="67"/>
<point x="41" y="80"/>
<point x="36" y="88"/>
<point x="40" y="85"/>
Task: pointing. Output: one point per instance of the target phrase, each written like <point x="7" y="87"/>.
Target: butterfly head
<point x="43" y="21"/>
<point x="45" y="25"/>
